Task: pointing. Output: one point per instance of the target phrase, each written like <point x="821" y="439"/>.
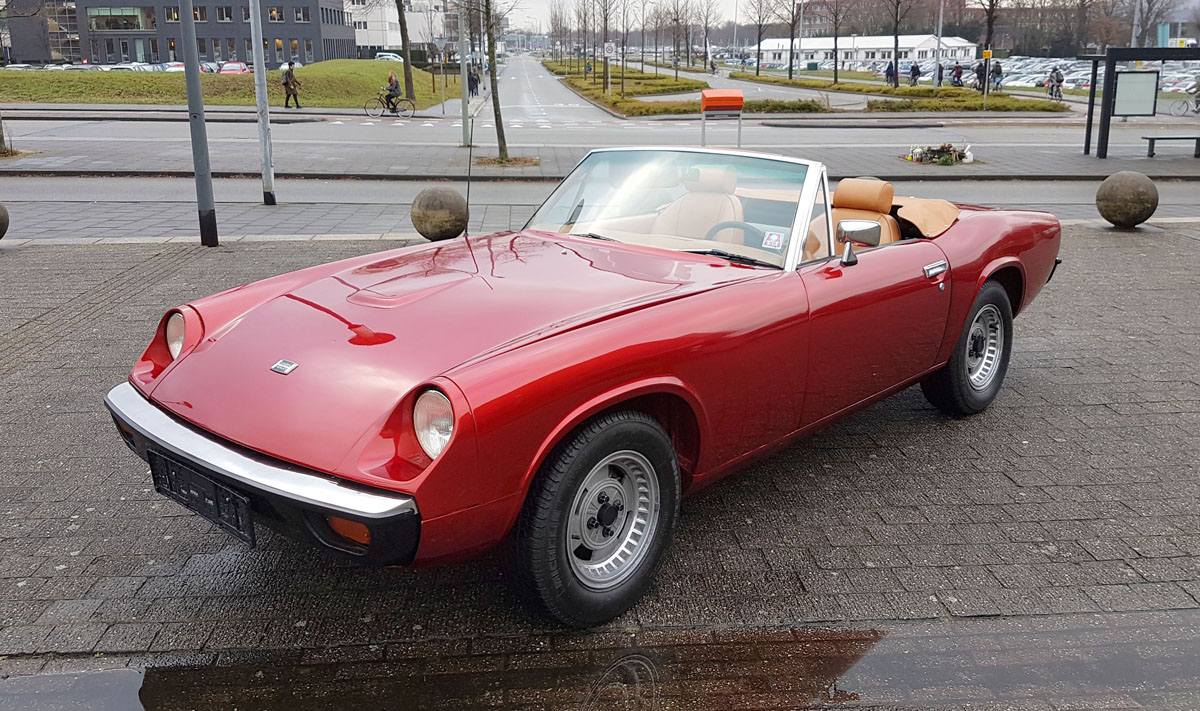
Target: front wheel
<point x="1180" y="107"/>
<point x="374" y="107"/>
<point x="972" y="378"/>
<point x="597" y="520"/>
<point x="405" y="108"/>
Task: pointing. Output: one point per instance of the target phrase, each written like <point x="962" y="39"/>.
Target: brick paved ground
<point x="1076" y="492"/>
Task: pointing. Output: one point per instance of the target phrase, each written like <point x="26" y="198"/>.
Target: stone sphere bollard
<point x="1127" y="199"/>
<point x="3" y="220"/>
<point x="439" y="213"/>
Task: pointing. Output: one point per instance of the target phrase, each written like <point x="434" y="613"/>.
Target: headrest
<point x="863" y="194"/>
<point x="710" y="180"/>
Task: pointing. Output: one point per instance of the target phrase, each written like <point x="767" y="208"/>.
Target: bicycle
<point x="1054" y="91"/>
<point x="402" y="107"/>
<point x="1181" y="107"/>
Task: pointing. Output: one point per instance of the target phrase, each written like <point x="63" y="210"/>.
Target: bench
<point x="1152" y="139"/>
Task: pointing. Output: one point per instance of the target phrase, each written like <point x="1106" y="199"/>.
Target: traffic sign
<point x="610" y="49"/>
<point x="987" y="54"/>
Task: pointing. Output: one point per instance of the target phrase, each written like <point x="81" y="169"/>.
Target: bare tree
<point x="628" y="14"/>
<point x="560" y="26"/>
<point x="679" y="14"/>
<point x="708" y="12"/>
<point x="897" y="11"/>
<point x="582" y="8"/>
<point x="837" y="12"/>
<point x="1154" y="13"/>
<point x="990" y="8"/>
<point x="790" y="13"/>
<point x="661" y="20"/>
<point x="406" y="48"/>
<point x="761" y="15"/>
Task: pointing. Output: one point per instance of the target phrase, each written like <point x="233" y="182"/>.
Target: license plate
<point x="212" y="500"/>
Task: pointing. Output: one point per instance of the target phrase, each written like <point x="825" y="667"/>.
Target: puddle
<point x="1139" y="660"/>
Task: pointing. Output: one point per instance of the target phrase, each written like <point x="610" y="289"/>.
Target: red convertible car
<point x="667" y="316"/>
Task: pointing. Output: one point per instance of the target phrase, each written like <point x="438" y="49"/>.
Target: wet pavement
<point x="1121" y="661"/>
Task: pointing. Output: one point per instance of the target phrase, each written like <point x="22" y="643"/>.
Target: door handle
<point x="932" y="270"/>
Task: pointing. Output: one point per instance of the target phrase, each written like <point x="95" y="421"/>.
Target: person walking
<point x="957" y="75"/>
<point x="890" y="74"/>
<point x="997" y="75"/>
<point x="941" y="72"/>
<point x="291" y="85"/>
<point x="472" y="84"/>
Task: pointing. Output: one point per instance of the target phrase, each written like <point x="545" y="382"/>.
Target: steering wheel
<point x="748" y="230"/>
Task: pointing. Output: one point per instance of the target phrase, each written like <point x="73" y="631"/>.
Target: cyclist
<point x="980" y="76"/>
<point x="393" y="91"/>
<point x="1194" y="88"/>
<point x="914" y="74"/>
<point x="956" y="75"/>
<point x="1054" y="83"/>
<point x="712" y="66"/>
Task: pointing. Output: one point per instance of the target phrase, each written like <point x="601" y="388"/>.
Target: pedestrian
<point x="291" y="85"/>
<point x="472" y="83"/>
<point x="980" y="76"/>
<point x="890" y="74"/>
<point x="956" y="75"/>
<point x="941" y="71"/>
<point x="997" y="75"/>
<point x="587" y="69"/>
<point x="914" y="72"/>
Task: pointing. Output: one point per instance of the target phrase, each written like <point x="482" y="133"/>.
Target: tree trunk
<point x="791" y="46"/>
<point x="656" y="29"/>
<point x="3" y="138"/>
<point x="835" y="57"/>
<point x="896" y="51"/>
<point x="758" y="61"/>
<point x="406" y="49"/>
<point x="501" y="143"/>
<point x="991" y="24"/>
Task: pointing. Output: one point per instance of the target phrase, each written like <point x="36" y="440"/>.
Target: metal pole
<point x="1087" y="132"/>
<point x="462" y="68"/>
<point x="1106" y="103"/>
<point x="191" y="65"/>
<point x="260" y="100"/>
<point x="739" y="129"/>
<point x="937" y="70"/>
<point x="702" y="118"/>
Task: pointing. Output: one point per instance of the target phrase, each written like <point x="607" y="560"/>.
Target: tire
<point x="971" y="380"/>
<point x="1180" y="107"/>
<point x="577" y="506"/>
<point x="405" y="108"/>
<point x="374" y="108"/>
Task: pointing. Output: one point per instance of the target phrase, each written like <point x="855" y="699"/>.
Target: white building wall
<point x="377" y="23"/>
<point x="867" y="48"/>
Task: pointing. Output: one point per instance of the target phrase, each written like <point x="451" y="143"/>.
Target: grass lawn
<point x="644" y="84"/>
<point x="337" y="83"/>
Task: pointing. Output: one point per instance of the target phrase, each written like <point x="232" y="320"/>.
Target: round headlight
<point x="175" y="332"/>
<point x="433" y="419"/>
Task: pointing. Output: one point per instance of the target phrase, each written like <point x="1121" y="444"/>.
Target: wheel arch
<point x="1009" y="274"/>
<point x="668" y="400"/>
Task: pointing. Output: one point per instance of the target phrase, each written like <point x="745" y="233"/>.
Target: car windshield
<point x="734" y="205"/>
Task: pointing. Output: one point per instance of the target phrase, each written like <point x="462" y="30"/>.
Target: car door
<point x="873" y="324"/>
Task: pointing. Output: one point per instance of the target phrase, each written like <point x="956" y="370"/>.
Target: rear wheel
<point x="374" y="107"/>
<point x="405" y="108"/>
<point x="972" y="378"/>
<point x="599" y="516"/>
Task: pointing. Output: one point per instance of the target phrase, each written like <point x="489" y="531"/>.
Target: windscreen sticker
<point x="772" y="240"/>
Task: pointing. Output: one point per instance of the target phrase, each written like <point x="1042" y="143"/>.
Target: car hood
<point x="365" y="336"/>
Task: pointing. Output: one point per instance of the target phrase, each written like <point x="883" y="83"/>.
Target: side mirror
<point x="866" y="232"/>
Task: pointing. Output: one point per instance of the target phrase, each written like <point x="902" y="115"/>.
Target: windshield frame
<point x="814" y="177"/>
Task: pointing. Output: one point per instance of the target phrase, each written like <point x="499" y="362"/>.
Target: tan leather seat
<point x="859" y="199"/>
<point x="709" y="199"/>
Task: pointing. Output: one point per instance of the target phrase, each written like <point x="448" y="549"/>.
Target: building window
<point x="216" y="46"/>
<point x="302" y="14"/>
<point x="279" y="51"/>
<point x="224" y="13"/>
<point x="153" y="49"/>
<point x="360" y="25"/>
<point x="171" y="13"/>
<point x="274" y="14"/>
<point x="230" y="49"/>
<point x="200" y="13"/>
<point x="249" y="55"/>
<point x="170" y="49"/>
<point x="308" y="55"/>
<point x="245" y="14"/>
<point x="120" y="18"/>
<point x="202" y="48"/>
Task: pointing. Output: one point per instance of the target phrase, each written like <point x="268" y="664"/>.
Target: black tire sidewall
<point x="565" y="596"/>
<point x="970" y="399"/>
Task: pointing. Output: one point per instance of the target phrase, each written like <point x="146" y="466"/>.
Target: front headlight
<point x="175" y="332"/>
<point x="433" y="419"/>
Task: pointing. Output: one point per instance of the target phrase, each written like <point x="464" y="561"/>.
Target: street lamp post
<point x="203" y="171"/>
<point x="937" y="69"/>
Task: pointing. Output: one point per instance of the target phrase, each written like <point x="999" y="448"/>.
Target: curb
<point x="476" y="177"/>
<point x="178" y="119"/>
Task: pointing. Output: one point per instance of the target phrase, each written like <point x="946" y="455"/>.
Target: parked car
<point x="665" y="317"/>
<point x="18" y="67"/>
<point x="235" y="68"/>
<point x="83" y="68"/>
<point x="389" y="56"/>
<point x="284" y="65"/>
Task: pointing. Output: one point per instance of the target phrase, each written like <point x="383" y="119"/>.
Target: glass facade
<point x="62" y="25"/>
<point x="120" y="18"/>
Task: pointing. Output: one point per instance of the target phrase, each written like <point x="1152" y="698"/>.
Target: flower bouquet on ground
<point x="945" y="154"/>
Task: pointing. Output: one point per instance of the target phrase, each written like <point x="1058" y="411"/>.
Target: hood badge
<point x="284" y="367"/>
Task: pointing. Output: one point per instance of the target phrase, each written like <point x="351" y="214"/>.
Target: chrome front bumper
<point x="285" y="496"/>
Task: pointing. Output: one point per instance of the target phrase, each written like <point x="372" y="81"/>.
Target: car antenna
<point x="470" y="162"/>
